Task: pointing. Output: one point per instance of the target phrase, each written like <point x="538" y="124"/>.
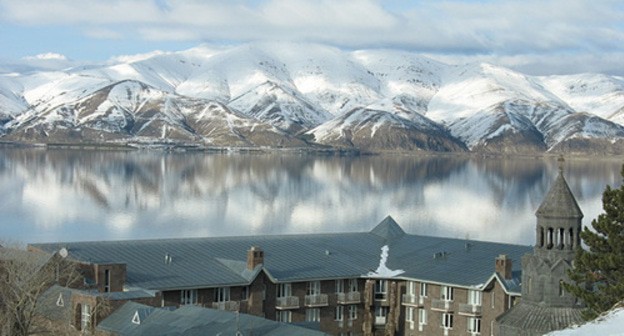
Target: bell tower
<point x="557" y="236"/>
<point x="545" y="305"/>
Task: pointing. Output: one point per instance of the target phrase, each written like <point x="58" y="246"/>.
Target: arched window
<point x="561" y="241"/>
<point x="550" y="238"/>
<point x="541" y="237"/>
<point x="572" y="242"/>
<point x="561" y="289"/>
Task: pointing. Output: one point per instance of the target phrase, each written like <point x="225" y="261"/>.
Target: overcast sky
<point x="534" y="36"/>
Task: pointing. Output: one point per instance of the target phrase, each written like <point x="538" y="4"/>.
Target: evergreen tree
<point x="598" y="272"/>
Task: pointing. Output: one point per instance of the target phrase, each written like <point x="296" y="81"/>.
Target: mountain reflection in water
<point x="69" y="195"/>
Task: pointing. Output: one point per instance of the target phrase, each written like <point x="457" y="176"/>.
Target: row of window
<point x="221" y="294"/>
<point x="446" y="293"/>
<point x="446" y="320"/>
<point x="314" y="314"/>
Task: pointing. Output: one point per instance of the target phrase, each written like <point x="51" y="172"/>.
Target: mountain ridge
<point x="308" y="95"/>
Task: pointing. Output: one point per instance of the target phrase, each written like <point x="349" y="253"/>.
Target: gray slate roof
<point x="220" y="261"/>
<point x="559" y="202"/>
<point x="193" y="320"/>
<point x="530" y="319"/>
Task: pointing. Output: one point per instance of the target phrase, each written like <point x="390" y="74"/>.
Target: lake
<point x="80" y="195"/>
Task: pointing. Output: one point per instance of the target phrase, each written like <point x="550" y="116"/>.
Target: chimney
<point x="255" y="257"/>
<point x="503" y="266"/>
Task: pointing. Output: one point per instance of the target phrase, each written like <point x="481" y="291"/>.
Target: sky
<point x="534" y="36"/>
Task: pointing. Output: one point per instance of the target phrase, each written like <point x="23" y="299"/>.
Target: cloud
<point x="495" y="28"/>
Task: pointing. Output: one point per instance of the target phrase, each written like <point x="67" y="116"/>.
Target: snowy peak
<point x="305" y="93"/>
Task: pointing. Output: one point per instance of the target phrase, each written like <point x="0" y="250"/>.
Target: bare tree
<point x="24" y="277"/>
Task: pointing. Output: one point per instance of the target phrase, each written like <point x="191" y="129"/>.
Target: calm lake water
<point x="73" y="195"/>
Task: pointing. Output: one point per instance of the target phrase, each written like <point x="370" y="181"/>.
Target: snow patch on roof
<point x="382" y="270"/>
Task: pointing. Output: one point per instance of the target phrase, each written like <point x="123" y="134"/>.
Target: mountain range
<point x="295" y="95"/>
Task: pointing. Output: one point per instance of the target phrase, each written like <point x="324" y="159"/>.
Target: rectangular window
<point x="284" y="316"/>
<point x="85" y="317"/>
<point x="313" y="315"/>
<point x="353" y="312"/>
<point x="340" y="286"/>
<point x="474" y="325"/>
<point x="411" y="288"/>
<point x="474" y="297"/>
<point x="447" y="293"/>
<point x="284" y="290"/>
<point x="188" y="296"/>
<point x="447" y="321"/>
<point x="493" y="298"/>
<point x="353" y="285"/>
<point x="314" y="288"/>
<point x="339" y="313"/>
<point x="245" y="293"/>
<point x="107" y="280"/>
<point x="222" y="294"/>
<point x="423" y="289"/>
<point x="422" y="316"/>
<point x="381" y="289"/>
<point x="380" y="315"/>
<point x="409" y="314"/>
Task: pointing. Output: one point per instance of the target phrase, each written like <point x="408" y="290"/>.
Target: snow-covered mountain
<point x="294" y="94"/>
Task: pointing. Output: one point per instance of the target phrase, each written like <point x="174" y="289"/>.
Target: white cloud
<point x="507" y="30"/>
<point x="47" y="56"/>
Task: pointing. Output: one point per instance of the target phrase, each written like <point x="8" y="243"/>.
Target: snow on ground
<point x="610" y="324"/>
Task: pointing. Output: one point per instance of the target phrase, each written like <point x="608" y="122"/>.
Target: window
<point x="380" y="315"/>
<point x="474" y="325"/>
<point x="107" y="280"/>
<point x="284" y="316"/>
<point x="188" y="296"/>
<point x="423" y="289"/>
<point x="313" y="315"/>
<point x="85" y="317"/>
<point x="474" y="297"/>
<point x="353" y="312"/>
<point x="284" y="290"/>
<point x="411" y="288"/>
<point x="314" y="288"/>
<point x="353" y="285"/>
<point x="447" y="293"/>
<point x="381" y="289"/>
<point x="493" y="298"/>
<point x="409" y="314"/>
<point x="245" y="293"/>
<point x="222" y="294"/>
<point x="561" y="289"/>
<point x="340" y="286"/>
<point x="447" y="321"/>
<point x="339" y="313"/>
<point x="422" y="316"/>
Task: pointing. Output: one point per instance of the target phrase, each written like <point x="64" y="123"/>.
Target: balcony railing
<point x="226" y="305"/>
<point x="319" y="300"/>
<point x="441" y="305"/>
<point x="469" y="309"/>
<point x="412" y="300"/>
<point x="349" y="298"/>
<point x="287" y="302"/>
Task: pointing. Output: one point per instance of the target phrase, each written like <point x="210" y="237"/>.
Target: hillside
<point x="310" y="95"/>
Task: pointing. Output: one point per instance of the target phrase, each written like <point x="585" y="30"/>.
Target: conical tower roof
<point x="559" y="202"/>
